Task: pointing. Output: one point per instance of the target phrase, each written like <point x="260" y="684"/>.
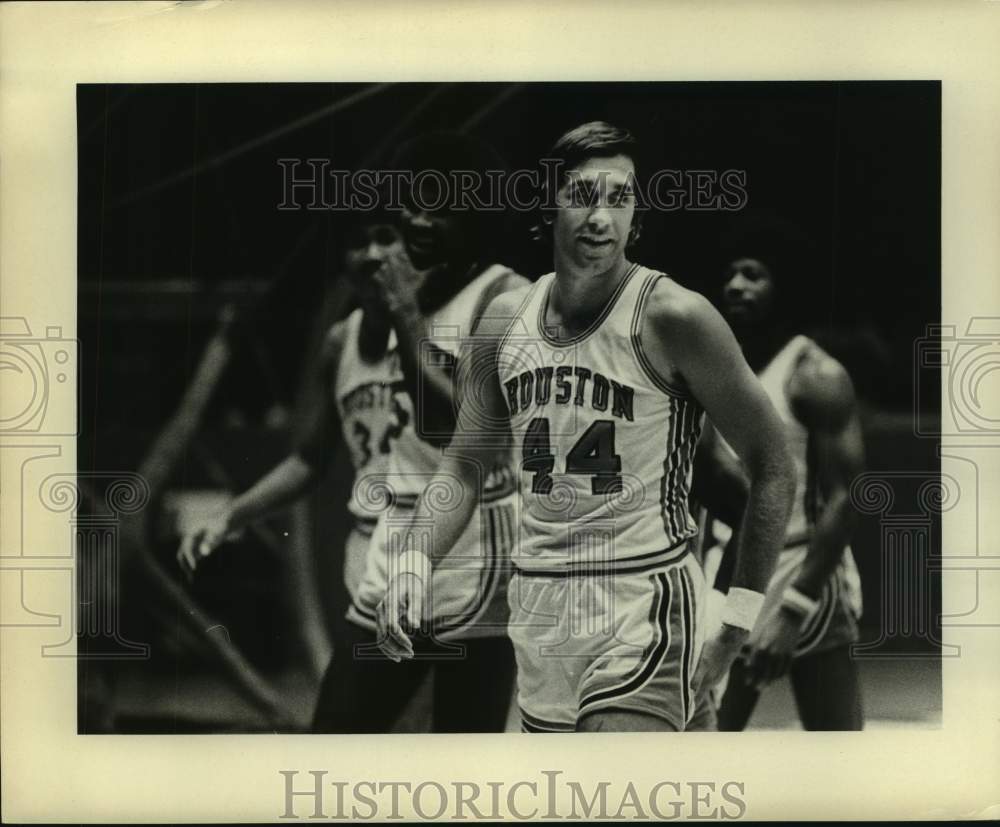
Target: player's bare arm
<point x="822" y="398"/>
<point x="705" y="359"/>
<point x="287" y="481"/>
<point x="481" y="435"/>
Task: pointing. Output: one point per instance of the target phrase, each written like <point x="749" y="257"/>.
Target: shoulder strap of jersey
<point x="490" y="276"/>
<point x="349" y="348"/>
<point x="641" y="289"/>
<point x="527" y="312"/>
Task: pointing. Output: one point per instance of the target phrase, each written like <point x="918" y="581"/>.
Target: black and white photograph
<point x="484" y="407"/>
<point x="389" y="388"/>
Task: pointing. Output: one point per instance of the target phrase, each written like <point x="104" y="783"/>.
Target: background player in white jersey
<point x="601" y="372"/>
<point x="417" y="272"/>
<point x="813" y="602"/>
<point x="353" y="402"/>
<point x="367" y="246"/>
<point x="465" y="641"/>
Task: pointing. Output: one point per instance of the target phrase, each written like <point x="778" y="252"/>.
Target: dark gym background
<point x="178" y="219"/>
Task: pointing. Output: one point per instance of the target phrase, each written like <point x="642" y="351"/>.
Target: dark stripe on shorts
<point x="648" y="668"/>
<point x="489" y="578"/>
<point x="490" y="573"/>
<point x="365" y="527"/>
<point x="821" y="621"/>
<point x="361" y="610"/>
<point x="687" y="614"/>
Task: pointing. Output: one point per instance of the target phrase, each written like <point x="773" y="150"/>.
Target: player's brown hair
<point x="595" y="139"/>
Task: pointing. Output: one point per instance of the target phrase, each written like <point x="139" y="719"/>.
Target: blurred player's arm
<point x="719" y="482"/>
<point x="428" y="381"/>
<point x="286" y="482"/>
<point x="822" y="398"/>
<point x="481" y="438"/>
<point x="689" y="343"/>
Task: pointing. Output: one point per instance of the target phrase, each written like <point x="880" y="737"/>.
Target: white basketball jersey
<point x="605" y="447"/>
<point x="374" y="412"/>
<point x="414" y="460"/>
<point x="468" y="594"/>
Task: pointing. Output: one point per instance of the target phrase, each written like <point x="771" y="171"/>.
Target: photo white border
<point x="51" y="774"/>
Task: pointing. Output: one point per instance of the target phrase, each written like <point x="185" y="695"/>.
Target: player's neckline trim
<point x="605" y="312"/>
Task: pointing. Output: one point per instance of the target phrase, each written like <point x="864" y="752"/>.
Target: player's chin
<point x="739" y="313"/>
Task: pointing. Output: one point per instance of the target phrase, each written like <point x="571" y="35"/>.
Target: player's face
<point x="594" y="215"/>
<point x="431" y="237"/>
<point x="366" y="250"/>
<point x="748" y="291"/>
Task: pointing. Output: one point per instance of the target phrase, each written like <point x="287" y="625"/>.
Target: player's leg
<point x="610" y="720"/>
<point x="473" y="694"/>
<point x="705" y="718"/>
<point x="363" y="691"/>
<point x="539" y="630"/>
<point x="739" y="700"/>
<point x="640" y="679"/>
<point x="827" y="690"/>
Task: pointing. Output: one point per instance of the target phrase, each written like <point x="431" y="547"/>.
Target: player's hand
<point x="718" y="655"/>
<point x="402" y="606"/>
<point x="770" y="656"/>
<point x="203" y="539"/>
<point x="399" y="282"/>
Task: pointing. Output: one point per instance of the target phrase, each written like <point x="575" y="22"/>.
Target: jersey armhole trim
<point x="636" y="337"/>
<point x="484" y="302"/>
<point x="518" y="314"/>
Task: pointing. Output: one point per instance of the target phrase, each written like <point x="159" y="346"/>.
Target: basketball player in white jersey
<point x="601" y="372"/>
<point x="425" y="281"/>
<point x="810" y="614"/>
<point x="343" y="409"/>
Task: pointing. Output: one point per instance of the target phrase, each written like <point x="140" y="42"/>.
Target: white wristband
<point x="799" y="603"/>
<point x="415" y="562"/>
<point x="742" y="607"/>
